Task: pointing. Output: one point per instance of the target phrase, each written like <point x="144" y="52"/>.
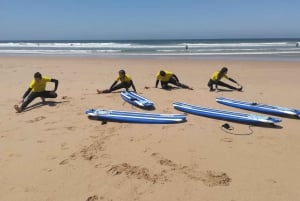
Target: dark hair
<point x="37" y="75"/>
<point x="223" y="70"/>
<point x="162" y="73"/>
<point x="122" y="72"/>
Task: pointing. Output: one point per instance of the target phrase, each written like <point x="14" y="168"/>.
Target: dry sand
<point x="53" y="152"/>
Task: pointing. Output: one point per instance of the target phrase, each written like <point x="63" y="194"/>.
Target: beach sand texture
<point x="53" y="152"/>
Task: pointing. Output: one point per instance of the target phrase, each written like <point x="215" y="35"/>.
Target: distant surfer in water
<point x="165" y="77"/>
<point x="216" y="80"/>
<point x="125" y="82"/>
<point x="37" y="89"/>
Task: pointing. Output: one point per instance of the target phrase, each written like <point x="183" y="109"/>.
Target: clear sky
<point x="148" y="19"/>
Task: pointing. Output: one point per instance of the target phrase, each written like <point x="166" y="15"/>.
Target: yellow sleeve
<point x="32" y="83"/>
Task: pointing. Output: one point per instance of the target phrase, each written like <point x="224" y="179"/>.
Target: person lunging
<point x="37" y="88"/>
<point x="216" y="80"/>
<point x="125" y="82"/>
<point x="165" y="77"/>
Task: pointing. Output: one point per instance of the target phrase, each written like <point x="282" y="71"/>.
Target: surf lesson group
<point x="37" y="87"/>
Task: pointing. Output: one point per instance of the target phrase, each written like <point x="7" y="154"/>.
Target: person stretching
<point x="37" y="89"/>
<point x="126" y="82"/>
<point x="216" y="80"/>
<point x="165" y="77"/>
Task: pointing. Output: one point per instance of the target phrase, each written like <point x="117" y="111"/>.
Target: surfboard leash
<point x="227" y="128"/>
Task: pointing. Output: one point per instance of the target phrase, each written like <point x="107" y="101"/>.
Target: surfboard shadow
<point x="170" y="88"/>
<point x="225" y="90"/>
<point x="258" y="124"/>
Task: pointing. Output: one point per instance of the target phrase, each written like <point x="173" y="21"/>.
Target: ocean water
<point x="274" y="49"/>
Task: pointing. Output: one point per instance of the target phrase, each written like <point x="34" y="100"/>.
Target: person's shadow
<point x="170" y="88"/>
<point x="41" y="104"/>
<point x="225" y="90"/>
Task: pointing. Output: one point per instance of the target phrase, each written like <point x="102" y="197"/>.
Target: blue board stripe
<point x="135" y="117"/>
<point x="257" y="107"/>
<point x="137" y="100"/>
<point x="223" y="114"/>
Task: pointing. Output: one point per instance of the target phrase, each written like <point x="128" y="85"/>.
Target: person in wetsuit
<point x="125" y="82"/>
<point x="37" y="88"/>
<point x="216" y="80"/>
<point x="165" y="77"/>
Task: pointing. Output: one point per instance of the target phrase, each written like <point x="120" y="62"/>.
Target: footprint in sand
<point x="39" y="118"/>
<point x="70" y="128"/>
<point x="227" y="139"/>
<point x="136" y="172"/>
<point x="92" y="198"/>
<point x="209" y="178"/>
<point x="92" y="151"/>
<point x="64" y="162"/>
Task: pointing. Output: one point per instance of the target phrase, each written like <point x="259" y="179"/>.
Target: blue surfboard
<point x="134" y="117"/>
<point x="137" y="100"/>
<point x="257" y="107"/>
<point x="225" y="115"/>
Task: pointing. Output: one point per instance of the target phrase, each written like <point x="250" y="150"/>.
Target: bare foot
<point x="17" y="108"/>
<point x="99" y="92"/>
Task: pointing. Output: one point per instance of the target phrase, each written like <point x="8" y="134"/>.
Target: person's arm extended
<point x="115" y="82"/>
<point x="26" y="93"/>
<point x="133" y="85"/>
<point x="232" y="80"/>
<point x="55" y="83"/>
<point x="157" y="81"/>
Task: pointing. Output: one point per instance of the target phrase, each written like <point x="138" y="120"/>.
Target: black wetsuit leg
<point x="220" y="83"/>
<point x="174" y="81"/>
<point x="120" y="86"/>
<point x="33" y="95"/>
<point x="164" y="84"/>
<point x="210" y="84"/>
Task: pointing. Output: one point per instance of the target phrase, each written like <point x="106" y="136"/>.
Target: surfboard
<point x="225" y="115"/>
<point x="134" y="117"/>
<point x="137" y="100"/>
<point x="257" y="107"/>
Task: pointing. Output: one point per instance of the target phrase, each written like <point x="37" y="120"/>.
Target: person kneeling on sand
<point x="216" y="80"/>
<point x="165" y="77"/>
<point x="37" y="89"/>
<point x="126" y="82"/>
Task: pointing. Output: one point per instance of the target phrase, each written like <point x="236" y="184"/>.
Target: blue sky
<point x="148" y="19"/>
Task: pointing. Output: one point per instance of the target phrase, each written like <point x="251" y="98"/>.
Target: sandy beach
<point x="53" y="152"/>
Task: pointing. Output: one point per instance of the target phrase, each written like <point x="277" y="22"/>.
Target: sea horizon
<point x="240" y="48"/>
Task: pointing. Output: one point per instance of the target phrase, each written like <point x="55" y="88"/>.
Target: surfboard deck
<point x="134" y="117"/>
<point x="257" y="107"/>
<point x="137" y="100"/>
<point x="225" y="115"/>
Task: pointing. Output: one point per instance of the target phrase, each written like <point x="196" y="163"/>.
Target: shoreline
<point x="276" y="58"/>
